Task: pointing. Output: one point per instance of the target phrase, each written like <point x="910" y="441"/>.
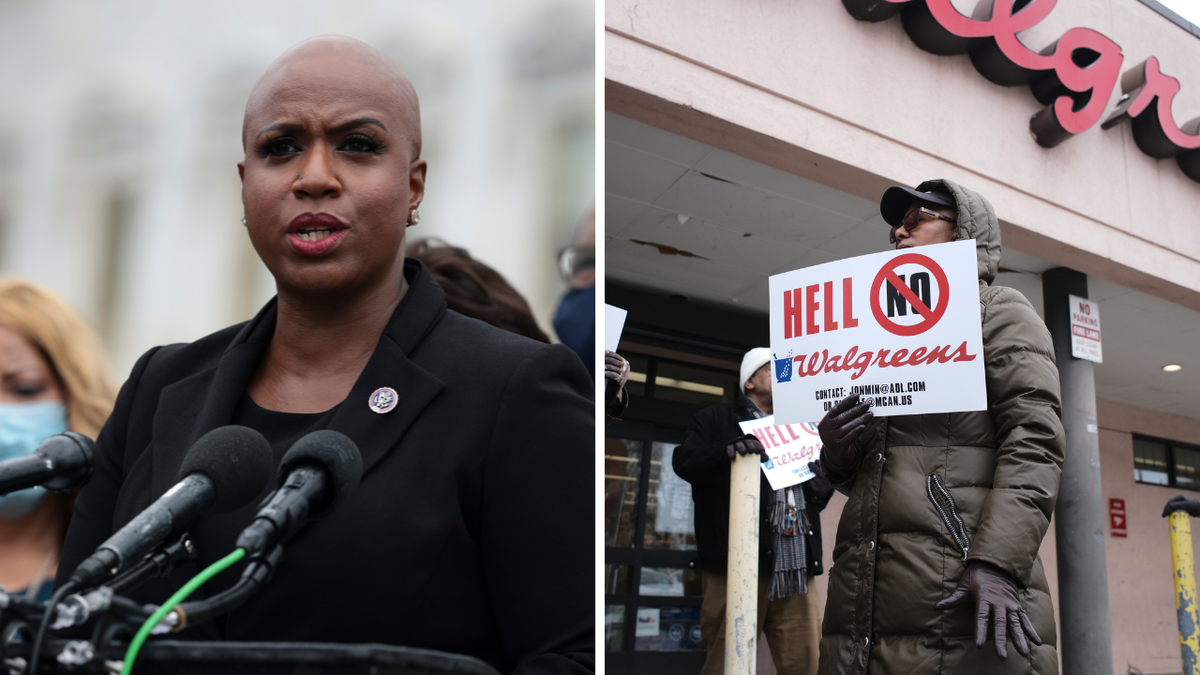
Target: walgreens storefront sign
<point x="1073" y="76"/>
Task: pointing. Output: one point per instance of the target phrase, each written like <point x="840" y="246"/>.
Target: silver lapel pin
<point x="383" y="400"/>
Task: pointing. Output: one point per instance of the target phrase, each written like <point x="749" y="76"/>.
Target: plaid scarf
<point x="789" y="524"/>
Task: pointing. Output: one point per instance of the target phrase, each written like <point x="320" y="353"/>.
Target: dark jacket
<point x="470" y="531"/>
<point x="615" y="404"/>
<point x="701" y="461"/>
<point x="896" y="556"/>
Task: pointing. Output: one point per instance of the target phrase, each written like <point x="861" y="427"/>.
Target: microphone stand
<point x="258" y="571"/>
<point x="118" y="621"/>
<point x="79" y="607"/>
<point x="158" y="563"/>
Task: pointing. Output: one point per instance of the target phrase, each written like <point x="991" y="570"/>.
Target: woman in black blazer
<point x="472" y="529"/>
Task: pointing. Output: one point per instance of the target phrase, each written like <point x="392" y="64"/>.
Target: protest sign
<point x="791" y="447"/>
<point x="614" y="323"/>
<point x="901" y="328"/>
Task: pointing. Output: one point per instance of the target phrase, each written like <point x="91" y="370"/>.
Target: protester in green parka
<point x="946" y="512"/>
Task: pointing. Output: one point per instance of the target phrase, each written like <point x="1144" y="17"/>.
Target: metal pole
<point x="741" y="599"/>
<point x="1185" y="590"/>
<point x="1079" y="521"/>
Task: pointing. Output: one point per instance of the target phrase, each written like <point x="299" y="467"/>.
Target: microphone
<point x="319" y="472"/>
<point x="226" y="469"/>
<point x="61" y="462"/>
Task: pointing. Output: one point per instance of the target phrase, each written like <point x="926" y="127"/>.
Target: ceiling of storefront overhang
<point x="685" y="218"/>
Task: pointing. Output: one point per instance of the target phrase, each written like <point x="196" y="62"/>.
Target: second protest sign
<point x="901" y="328"/>
<point x="789" y="449"/>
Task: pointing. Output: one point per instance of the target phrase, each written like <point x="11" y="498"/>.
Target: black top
<point x="701" y="460"/>
<point x="463" y="535"/>
<point x="281" y="429"/>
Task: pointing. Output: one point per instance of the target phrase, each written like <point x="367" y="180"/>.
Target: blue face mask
<point x="23" y="426"/>
<point x="575" y="323"/>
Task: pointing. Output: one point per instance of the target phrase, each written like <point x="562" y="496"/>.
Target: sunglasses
<point x="918" y="216"/>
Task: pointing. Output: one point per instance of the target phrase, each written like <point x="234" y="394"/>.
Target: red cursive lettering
<point x="1073" y="77"/>
<point x="859" y="361"/>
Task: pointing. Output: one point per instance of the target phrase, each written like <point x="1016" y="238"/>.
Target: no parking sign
<point x="901" y="328"/>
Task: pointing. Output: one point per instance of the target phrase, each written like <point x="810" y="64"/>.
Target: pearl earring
<point x="413" y="217"/>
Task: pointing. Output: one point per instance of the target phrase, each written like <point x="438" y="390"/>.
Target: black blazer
<point x="701" y="460"/>
<point x="472" y="529"/>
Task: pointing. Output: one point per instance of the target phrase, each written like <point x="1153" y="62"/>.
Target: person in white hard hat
<point x="789" y="537"/>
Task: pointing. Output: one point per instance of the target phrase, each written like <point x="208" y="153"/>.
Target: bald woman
<point x="471" y="531"/>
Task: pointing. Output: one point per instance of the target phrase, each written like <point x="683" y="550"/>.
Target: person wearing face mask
<point x="53" y="378"/>
<point x="575" y="321"/>
<point x="937" y="548"/>
<point x="471" y="529"/>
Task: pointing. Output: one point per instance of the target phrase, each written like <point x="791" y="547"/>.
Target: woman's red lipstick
<point x="315" y="234"/>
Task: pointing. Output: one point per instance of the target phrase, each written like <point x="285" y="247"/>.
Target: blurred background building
<point x="120" y="133"/>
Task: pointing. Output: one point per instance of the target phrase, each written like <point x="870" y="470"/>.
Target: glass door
<point x="652" y="589"/>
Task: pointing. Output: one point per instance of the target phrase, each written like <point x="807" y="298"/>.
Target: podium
<point x="185" y="657"/>
<point x="178" y="657"/>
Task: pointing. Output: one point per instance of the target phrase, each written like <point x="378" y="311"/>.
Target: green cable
<point x="180" y="595"/>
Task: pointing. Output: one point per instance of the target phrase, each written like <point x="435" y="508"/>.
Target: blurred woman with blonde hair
<point x="53" y="378"/>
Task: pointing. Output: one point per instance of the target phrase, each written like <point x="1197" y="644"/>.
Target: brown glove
<point x="842" y="425"/>
<point x="995" y="595"/>
<point x="747" y="445"/>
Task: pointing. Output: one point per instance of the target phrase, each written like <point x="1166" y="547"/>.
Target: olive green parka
<point x="896" y="555"/>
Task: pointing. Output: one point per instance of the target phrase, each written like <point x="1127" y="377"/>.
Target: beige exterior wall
<point x="800" y="85"/>
<point x="1140" y="585"/>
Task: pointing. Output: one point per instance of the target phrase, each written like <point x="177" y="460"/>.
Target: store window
<point x="1161" y="462"/>
<point x="652" y="591"/>
<point x="687" y="383"/>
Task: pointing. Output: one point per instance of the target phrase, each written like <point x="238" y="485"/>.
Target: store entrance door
<point x="652" y="591"/>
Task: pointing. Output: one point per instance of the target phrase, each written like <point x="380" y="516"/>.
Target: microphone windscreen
<point x="333" y="450"/>
<point x="238" y="461"/>
<point x="72" y="454"/>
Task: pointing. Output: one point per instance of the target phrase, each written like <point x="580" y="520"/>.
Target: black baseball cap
<point x="897" y="199"/>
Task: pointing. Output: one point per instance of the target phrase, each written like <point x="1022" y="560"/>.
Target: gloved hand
<point x="995" y="595"/>
<point x="747" y="445"/>
<point x="819" y="486"/>
<point x="842" y="425"/>
<point x="1181" y="503"/>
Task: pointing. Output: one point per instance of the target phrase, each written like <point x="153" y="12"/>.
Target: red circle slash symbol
<point x="930" y="317"/>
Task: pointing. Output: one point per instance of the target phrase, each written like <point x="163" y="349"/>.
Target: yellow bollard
<point x="1185" y="590"/>
<point x="741" y="599"/>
